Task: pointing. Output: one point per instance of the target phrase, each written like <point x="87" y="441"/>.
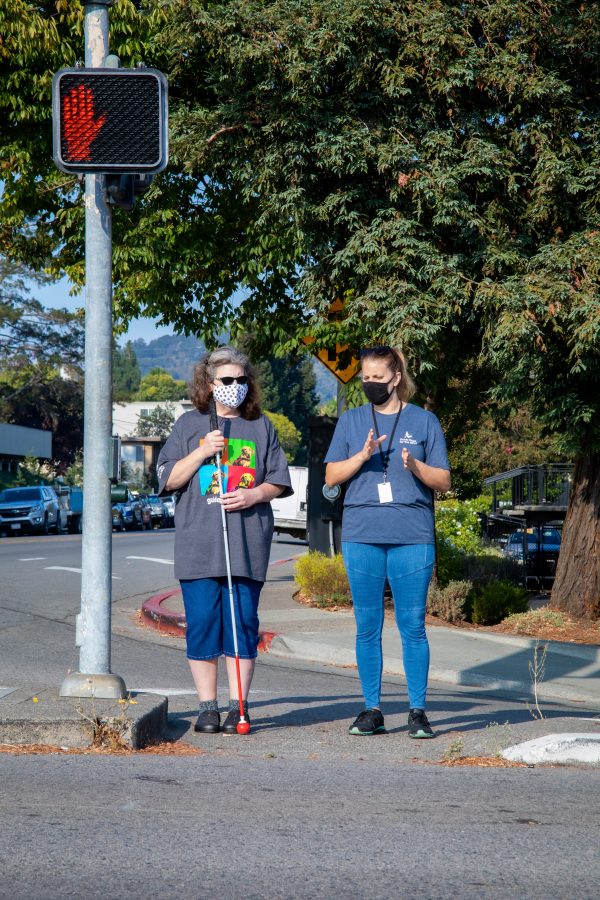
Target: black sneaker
<point x="370" y="721"/>
<point x="231" y="722"/>
<point x="418" y="726"/>
<point x="208" y="722"/>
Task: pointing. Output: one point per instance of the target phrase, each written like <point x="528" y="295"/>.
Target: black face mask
<point x="377" y="392"/>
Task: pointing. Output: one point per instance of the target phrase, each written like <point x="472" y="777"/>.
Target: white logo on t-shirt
<point x="408" y="438"/>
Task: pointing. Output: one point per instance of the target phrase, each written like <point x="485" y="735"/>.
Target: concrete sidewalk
<point x="498" y="664"/>
<point x="458" y="656"/>
<point x="468" y="658"/>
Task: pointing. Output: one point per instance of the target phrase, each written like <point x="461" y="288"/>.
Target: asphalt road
<point x="297" y="810"/>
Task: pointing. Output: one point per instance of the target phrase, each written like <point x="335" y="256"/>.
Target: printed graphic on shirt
<point x="407" y="439"/>
<point x="238" y="468"/>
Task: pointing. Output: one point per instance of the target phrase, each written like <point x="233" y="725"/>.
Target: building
<point x="141" y="453"/>
<point x="19" y="441"/>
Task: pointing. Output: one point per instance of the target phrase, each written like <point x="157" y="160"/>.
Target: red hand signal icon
<point x="79" y="126"/>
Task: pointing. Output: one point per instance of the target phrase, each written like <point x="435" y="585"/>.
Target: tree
<point x="287" y="386"/>
<point x="435" y="166"/>
<point x="288" y="434"/>
<point x="159" y="385"/>
<point x="157" y="423"/>
<point x="126" y="373"/>
<point x="41" y="351"/>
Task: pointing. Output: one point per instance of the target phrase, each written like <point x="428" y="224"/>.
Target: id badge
<point x="385" y="492"/>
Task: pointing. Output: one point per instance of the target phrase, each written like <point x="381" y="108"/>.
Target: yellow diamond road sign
<point x="331" y="357"/>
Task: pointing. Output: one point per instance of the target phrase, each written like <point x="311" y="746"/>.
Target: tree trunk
<point x="576" y="588"/>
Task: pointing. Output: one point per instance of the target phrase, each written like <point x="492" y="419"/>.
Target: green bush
<point x="323" y="579"/>
<point x="457" y="521"/>
<point x="497" y="600"/>
<point x="450" y="562"/>
<point x="452" y="602"/>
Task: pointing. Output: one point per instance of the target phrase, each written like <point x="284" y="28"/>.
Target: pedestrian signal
<point x="110" y="120"/>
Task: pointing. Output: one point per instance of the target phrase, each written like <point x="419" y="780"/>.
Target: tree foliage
<point x="126" y="373"/>
<point x="159" y="385"/>
<point x="156" y="423"/>
<point x="287" y="433"/>
<point x="41" y="350"/>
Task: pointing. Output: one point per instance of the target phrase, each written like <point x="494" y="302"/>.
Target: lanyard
<point x="385" y="457"/>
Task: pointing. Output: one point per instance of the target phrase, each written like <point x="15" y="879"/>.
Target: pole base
<point x="102" y="687"/>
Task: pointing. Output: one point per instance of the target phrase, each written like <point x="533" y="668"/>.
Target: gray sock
<point x="205" y="705"/>
<point x="234" y="703"/>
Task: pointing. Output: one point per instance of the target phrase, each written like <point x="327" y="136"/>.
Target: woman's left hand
<point x="242" y="498"/>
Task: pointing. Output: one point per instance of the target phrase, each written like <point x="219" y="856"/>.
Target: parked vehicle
<point x="158" y="512"/>
<point x="117" y="517"/>
<point x="537" y="550"/>
<point x="131" y="515"/>
<point x="545" y="540"/>
<point x="35" y="509"/>
<point x="290" y="512"/>
<point x="169" y="505"/>
<point x="71" y="502"/>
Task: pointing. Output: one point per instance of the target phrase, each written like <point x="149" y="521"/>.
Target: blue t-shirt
<point x="408" y="519"/>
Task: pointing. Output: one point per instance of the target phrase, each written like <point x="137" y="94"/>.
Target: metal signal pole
<point x="93" y="636"/>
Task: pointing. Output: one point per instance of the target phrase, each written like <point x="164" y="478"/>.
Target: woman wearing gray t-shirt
<point x="254" y="471"/>
<point x="391" y="455"/>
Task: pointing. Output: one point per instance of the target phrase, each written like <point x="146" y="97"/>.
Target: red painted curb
<point x="173" y="623"/>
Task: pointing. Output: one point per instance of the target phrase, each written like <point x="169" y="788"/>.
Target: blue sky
<point x="57" y="297"/>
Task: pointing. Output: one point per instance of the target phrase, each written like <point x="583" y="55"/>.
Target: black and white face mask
<point x="230" y="395"/>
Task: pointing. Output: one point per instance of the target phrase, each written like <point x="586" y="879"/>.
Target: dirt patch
<point x="545" y="624"/>
<point x="163" y="748"/>
<point x="484" y="762"/>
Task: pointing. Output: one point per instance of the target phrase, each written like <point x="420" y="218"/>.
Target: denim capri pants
<point x="207" y="611"/>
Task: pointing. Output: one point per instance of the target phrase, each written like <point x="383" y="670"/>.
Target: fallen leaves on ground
<point x="163" y="748"/>
<point x="483" y="762"/>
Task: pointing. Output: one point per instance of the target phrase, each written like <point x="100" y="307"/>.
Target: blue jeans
<point x="408" y="569"/>
<point x="209" y="633"/>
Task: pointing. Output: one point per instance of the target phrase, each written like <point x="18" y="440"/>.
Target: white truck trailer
<point x="290" y="512"/>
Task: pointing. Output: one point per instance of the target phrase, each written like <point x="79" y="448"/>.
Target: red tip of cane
<point x="243" y="727"/>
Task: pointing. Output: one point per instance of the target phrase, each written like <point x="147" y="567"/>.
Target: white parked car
<point x="169" y="504"/>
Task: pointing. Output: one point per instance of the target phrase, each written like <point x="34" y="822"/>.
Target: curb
<point x="324" y="654"/>
<point x="167" y="621"/>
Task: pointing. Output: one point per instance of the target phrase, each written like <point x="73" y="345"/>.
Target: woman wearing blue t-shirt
<point x="392" y="457"/>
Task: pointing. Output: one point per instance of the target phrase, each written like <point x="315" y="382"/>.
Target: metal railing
<point x="546" y="486"/>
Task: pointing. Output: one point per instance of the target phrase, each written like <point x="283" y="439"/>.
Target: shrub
<point x="452" y="602"/>
<point x="323" y="579"/>
<point x="497" y="600"/>
<point x="450" y="562"/>
<point x="457" y="521"/>
<point x="491" y="566"/>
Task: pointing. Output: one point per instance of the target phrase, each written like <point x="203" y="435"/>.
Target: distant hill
<point x="174" y="353"/>
<point x="178" y="355"/>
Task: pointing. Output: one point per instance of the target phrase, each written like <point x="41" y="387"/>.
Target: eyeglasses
<point x="227" y="380"/>
<point x="377" y="350"/>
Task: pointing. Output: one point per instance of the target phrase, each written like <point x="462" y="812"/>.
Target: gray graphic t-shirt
<point x="252" y="456"/>
<point x="408" y="519"/>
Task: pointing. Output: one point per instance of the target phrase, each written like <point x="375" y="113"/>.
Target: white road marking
<point x="78" y="571"/>
<point x="165" y="562"/>
<point x="31" y="558"/>
<point x="181" y="692"/>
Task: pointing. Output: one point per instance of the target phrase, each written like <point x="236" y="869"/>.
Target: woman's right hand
<point x="213" y="443"/>
<point x="371" y="445"/>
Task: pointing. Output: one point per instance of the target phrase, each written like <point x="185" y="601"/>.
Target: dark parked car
<point x="550" y="542"/>
<point x="158" y="511"/>
<point x="130" y="515"/>
<point x="537" y="549"/>
<point x="24" y="510"/>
